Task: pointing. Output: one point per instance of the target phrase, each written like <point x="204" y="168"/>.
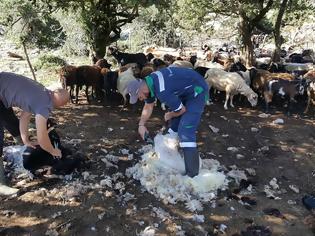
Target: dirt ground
<point x="281" y="151"/>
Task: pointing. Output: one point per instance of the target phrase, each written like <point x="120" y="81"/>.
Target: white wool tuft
<point x="194" y="205"/>
<point x="161" y="172"/>
<point x="148" y="231"/>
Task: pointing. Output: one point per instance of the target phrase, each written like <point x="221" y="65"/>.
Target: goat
<point x="262" y="77"/>
<point x="235" y="66"/>
<point x="110" y="83"/>
<point x="285" y="88"/>
<point x="102" y="63"/>
<point x="310" y="80"/>
<point x="231" y="83"/>
<point x="136" y="70"/>
<point x="125" y="58"/>
<point x="36" y="158"/>
<point x="67" y="78"/>
<point x="89" y="76"/>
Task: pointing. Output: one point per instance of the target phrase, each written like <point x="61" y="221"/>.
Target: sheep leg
<point x="231" y="101"/>
<point x="71" y="93"/>
<point x="268" y="99"/>
<point x="209" y="101"/>
<point x="290" y="100"/>
<point x="87" y="93"/>
<point x="308" y="105"/>
<point x="227" y="96"/>
<point x="77" y="93"/>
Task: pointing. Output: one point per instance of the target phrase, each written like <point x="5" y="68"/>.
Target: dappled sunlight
<point x="90" y="114"/>
<point x="22" y="221"/>
<point x="219" y="218"/>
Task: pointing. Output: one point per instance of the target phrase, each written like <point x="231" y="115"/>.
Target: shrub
<point x="49" y="61"/>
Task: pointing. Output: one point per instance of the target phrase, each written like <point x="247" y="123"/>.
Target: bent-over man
<point x="32" y="98"/>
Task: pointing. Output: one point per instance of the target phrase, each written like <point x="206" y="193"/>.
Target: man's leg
<point x="187" y="129"/>
<point x="187" y="141"/>
<point x="10" y="122"/>
<point x="4" y="189"/>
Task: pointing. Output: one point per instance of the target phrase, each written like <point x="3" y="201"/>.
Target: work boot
<point x="4" y="189"/>
<point x="7" y="191"/>
<point x="191" y="159"/>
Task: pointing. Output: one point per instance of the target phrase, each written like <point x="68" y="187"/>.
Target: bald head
<point x="143" y="92"/>
<point x="60" y="97"/>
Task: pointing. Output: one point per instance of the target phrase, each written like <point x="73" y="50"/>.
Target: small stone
<point x="253" y="129"/>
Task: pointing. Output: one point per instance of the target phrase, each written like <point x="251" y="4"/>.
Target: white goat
<point x="123" y="80"/>
<point x="232" y="84"/>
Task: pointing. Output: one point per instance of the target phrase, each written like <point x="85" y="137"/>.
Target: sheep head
<point x="252" y="97"/>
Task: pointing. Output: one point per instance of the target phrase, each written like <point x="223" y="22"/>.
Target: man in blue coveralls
<point x="185" y="92"/>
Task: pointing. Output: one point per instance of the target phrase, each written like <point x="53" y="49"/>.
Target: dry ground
<point x="290" y="159"/>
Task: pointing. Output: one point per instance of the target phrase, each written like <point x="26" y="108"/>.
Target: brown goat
<point x="103" y="63"/>
<point x="89" y="76"/>
<point x="67" y="78"/>
<point x="263" y="76"/>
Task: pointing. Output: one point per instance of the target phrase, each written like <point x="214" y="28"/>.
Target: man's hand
<point x="56" y="153"/>
<point x="31" y="144"/>
<point x="168" y="116"/>
<point x="142" y="130"/>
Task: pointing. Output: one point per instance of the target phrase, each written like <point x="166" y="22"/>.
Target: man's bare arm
<point x="43" y="138"/>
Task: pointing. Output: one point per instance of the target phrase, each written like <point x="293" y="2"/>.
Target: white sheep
<point x="232" y="84"/>
<point x="181" y="63"/>
<point x="123" y="80"/>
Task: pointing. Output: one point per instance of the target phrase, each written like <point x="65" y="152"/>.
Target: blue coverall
<point x="178" y="87"/>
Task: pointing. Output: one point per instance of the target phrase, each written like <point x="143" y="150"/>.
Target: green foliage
<point x="76" y="42"/>
<point x="48" y="62"/>
<point x="31" y="25"/>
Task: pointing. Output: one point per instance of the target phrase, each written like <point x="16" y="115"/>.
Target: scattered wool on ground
<point x="161" y="172"/>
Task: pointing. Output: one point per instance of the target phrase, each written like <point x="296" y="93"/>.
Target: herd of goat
<point x="263" y="82"/>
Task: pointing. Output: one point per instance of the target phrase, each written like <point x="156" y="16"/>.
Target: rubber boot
<point x="4" y="189"/>
<point x="191" y="158"/>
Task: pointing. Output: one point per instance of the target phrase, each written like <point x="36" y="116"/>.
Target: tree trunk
<point x="277" y="32"/>
<point x="247" y="50"/>
<point x="28" y="61"/>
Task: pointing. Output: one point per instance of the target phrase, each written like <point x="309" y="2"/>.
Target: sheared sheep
<point x="232" y="84"/>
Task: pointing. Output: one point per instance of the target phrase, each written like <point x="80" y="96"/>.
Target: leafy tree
<point x="102" y="19"/>
<point x="30" y="26"/>
<point x="289" y="11"/>
<point x="249" y="13"/>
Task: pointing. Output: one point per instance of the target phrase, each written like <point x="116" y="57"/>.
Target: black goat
<point x="126" y="58"/>
<point x="34" y="159"/>
<point x="110" y="83"/>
